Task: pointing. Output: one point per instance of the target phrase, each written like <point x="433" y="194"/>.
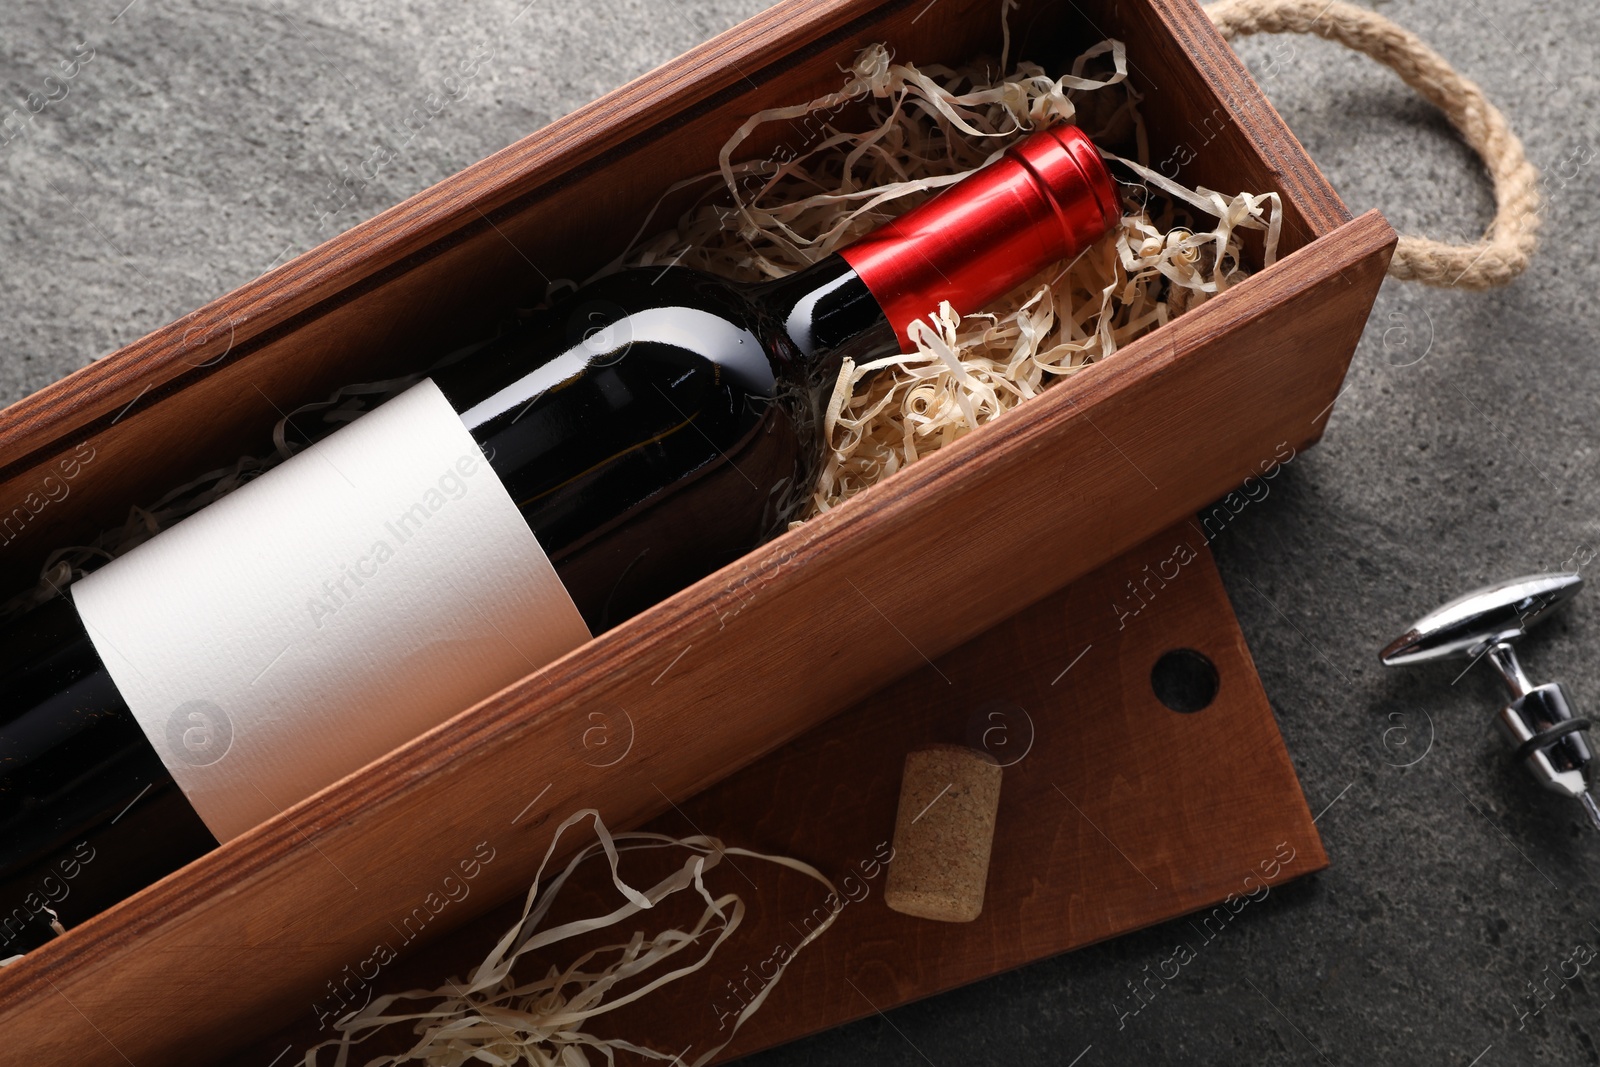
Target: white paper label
<point x="341" y="604"/>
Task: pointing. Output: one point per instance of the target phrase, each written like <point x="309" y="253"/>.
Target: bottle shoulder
<point x="661" y="322"/>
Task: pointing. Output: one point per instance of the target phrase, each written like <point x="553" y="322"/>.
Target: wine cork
<point x="943" y="833"/>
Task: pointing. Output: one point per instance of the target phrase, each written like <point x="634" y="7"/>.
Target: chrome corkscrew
<point x="1538" y="720"/>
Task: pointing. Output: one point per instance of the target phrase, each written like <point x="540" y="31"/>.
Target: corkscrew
<point x="1538" y="720"/>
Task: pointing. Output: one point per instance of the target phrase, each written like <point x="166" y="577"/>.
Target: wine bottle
<point x="631" y="439"/>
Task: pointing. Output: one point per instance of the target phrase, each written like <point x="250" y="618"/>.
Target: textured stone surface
<point x="201" y="143"/>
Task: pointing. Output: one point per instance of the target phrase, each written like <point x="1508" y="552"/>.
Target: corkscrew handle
<point x="1538" y="719"/>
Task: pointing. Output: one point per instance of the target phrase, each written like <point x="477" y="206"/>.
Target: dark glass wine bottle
<point x="650" y="428"/>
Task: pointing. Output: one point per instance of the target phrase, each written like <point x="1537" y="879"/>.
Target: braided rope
<point x="1513" y="235"/>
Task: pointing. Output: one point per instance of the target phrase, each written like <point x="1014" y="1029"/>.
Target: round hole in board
<point x="1185" y="680"/>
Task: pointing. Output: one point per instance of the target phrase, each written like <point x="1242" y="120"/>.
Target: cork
<point x="943" y="833"/>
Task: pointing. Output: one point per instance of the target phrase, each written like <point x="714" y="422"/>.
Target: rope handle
<point x="1509" y="241"/>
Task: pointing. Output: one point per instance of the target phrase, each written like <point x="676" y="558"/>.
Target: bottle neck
<point x="826" y="311"/>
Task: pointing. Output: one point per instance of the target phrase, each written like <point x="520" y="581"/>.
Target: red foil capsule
<point x="1047" y="199"/>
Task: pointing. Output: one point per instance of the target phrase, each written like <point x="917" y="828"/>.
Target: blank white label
<point x="346" y="601"/>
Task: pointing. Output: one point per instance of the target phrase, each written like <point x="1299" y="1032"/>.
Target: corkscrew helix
<point x="1538" y="720"/>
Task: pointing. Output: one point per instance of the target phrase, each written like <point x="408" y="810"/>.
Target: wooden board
<point x="1115" y="813"/>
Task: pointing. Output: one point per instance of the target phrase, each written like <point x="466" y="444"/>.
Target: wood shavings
<point x="495" y="1017"/>
<point x="913" y="132"/>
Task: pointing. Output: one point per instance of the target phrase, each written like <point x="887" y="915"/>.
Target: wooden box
<point x="747" y="659"/>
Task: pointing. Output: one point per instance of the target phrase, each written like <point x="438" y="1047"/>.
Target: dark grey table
<point x="203" y="143"/>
